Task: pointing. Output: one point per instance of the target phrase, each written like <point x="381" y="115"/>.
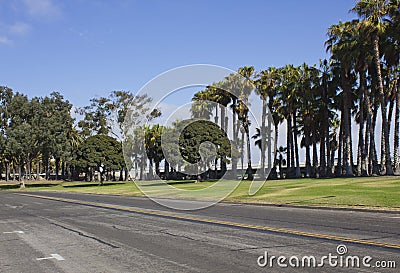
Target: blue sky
<point x="87" y="48"/>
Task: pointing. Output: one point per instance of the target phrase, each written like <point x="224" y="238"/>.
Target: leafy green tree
<point x="101" y="153"/>
<point x="203" y="132"/>
<point x="55" y="125"/>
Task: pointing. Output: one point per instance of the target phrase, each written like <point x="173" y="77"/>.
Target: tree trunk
<point x="397" y="131"/>
<point x="269" y="147"/>
<point x="7" y="171"/>
<point x="249" y="167"/>
<point x="367" y="105"/>
<point x="338" y="171"/>
<point x="288" y="146"/>
<point x="126" y="174"/>
<point x="315" y="159"/>
<point x="235" y="143"/>
<point x="347" y="165"/>
<point x="263" y="137"/>
<point x="308" y="156"/>
<point x="322" y="160"/>
<point x="388" y="161"/>
<point x="361" y="171"/>
<point x="57" y="167"/>
<point x="166" y="169"/>
<point x="372" y="150"/>
<point x="296" y="146"/>
<point x="275" y="150"/>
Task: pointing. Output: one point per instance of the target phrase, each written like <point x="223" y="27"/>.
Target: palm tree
<point x="308" y="110"/>
<point x="243" y="111"/>
<point x="391" y="50"/>
<point x="266" y="89"/>
<point x="288" y="97"/>
<point x="326" y="115"/>
<point x="201" y="107"/>
<point x="338" y="45"/>
<point x="373" y="13"/>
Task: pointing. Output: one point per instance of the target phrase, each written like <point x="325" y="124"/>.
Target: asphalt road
<point x="98" y="233"/>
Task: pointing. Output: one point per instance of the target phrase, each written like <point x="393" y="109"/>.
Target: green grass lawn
<point x="376" y="192"/>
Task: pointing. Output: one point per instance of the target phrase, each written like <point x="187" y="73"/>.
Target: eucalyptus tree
<point x="55" y="125"/>
<point x="96" y="117"/>
<point x="6" y="95"/>
<point x="19" y="133"/>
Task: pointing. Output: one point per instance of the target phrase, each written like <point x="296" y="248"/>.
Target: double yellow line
<point x="218" y="222"/>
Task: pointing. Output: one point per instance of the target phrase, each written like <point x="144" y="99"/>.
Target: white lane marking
<point x="15" y="231"/>
<point x="395" y="217"/>
<point x="52" y="256"/>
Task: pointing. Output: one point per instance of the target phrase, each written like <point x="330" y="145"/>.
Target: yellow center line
<point x="218" y="222"/>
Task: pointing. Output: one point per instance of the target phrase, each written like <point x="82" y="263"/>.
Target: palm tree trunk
<point x="296" y="146"/>
<point x="269" y="147"/>
<point x="396" y="131"/>
<point x="308" y="155"/>
<point x="276" y="147"/>
<point x="328" y="152"/>
<point x="249" y="167"/>
<point x="347" y="165"/>
<point x="338" y="171"/>
<point x="388" y="161"/>
<point x="373" y="154"/>
<point x="322" y="160"/>
<point x="263" y="137"/>
<point x="367" y="104"/>
<point x="315" y="158"/>
<point x="290" y="150"/>
<point x="360" y="152"/>
<point x="242" y="152"/>
<point x="223" y="162"/>
<point x="235" y="139"/>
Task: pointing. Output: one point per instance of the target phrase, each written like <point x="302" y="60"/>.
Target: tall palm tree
<point x="374" y="13"/>
<point x="309" y="122"/>
<point x="338" y="45"/>
<point x="247" y="87"/>
<point x="266" y="89"/>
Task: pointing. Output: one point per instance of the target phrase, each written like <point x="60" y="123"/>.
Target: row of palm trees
<point x="319" y="104"/>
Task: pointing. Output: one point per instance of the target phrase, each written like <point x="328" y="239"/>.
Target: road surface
<point x="95" y="233"/>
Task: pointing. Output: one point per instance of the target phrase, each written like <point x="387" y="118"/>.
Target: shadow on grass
<point x="86" y="185"/>
<point x="9" y="187"/>
<point x="17" y="186"/>
<point x="183" y="182"/>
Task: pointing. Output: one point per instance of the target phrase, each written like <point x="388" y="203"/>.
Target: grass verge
<point x="370" y="192"/>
